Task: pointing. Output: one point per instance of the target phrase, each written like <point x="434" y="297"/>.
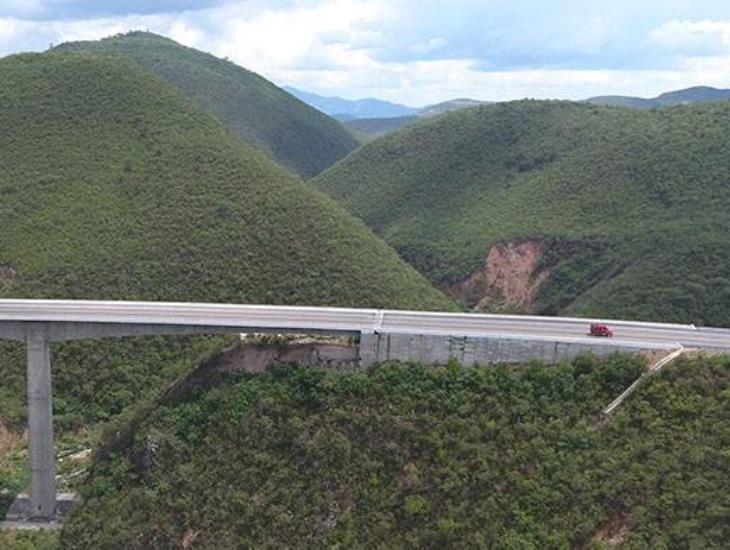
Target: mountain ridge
<point x="696" y="94"/>
<point x="624" y="208"/>
<point x="370" y="109"/>
<point x="346" y="113"/>
<point x="288" y="130"/>
<point x="117" y="186"/>
<point x="358" y="108"/>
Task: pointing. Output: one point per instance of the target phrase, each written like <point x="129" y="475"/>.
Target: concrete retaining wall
<point x="375" y="348"/>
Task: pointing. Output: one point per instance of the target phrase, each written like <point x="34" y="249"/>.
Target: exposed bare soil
<point x="255" y="358"/>
<point x="509" y="281"/>
<point x="7" y="273"/>
<point x="258" y="358"/>
<point x="9" y="439"/>
<point x="614" y="533"/>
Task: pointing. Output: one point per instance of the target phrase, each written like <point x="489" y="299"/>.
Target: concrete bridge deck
<point x="70" y="319"/>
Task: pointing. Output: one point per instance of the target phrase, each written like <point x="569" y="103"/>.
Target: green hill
<point x="623" y="101"/>
<point x="371" y="128"/>
<point x="450" y="105"/>
<point x="414" y="457"/>
<point x="557" y="207"/>
<point x="115" y="186"/>
<point x="293" y="133"/>
<point x="697" y="94"/>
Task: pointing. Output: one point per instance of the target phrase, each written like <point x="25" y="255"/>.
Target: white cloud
<point x="421" y="83"/>
<point x="429" y="46"/>
<point x="693" y="36"/>
<point x="186" y="33"/>
<point x="348" y="48"/>
<point x="9" y="29"/>
<point x="326" y="33"/>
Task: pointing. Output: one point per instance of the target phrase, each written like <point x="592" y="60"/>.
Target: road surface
<point x="355" y="321"/>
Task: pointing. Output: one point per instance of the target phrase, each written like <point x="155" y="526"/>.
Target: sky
<point x="419" y="52"/>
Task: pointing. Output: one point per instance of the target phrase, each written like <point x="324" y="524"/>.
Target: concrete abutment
<point x="471" y="350"/>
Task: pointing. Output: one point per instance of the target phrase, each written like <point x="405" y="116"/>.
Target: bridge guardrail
<point x="291" y="318"/>
<point x="390" y="314"/>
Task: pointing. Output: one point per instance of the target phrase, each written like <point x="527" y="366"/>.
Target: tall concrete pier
<point x="40" y="425"/>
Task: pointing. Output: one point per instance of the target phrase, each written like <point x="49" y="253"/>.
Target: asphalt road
<point x="353" y="321"/>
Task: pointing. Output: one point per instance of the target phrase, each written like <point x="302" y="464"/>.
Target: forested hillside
<point x="405" y="456"/>
<point x="592" y="210"/>
<point x="293" y="133"/>
<point x="371" y="128"/>
<point x="115" y="186"/>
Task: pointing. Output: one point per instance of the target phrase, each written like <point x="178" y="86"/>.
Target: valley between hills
<point x="134" y="168"/>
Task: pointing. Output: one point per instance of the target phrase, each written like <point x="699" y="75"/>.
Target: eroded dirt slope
<point x="508" y="281"/>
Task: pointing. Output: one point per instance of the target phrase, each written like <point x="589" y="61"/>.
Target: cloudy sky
<point x="419" y="51"/>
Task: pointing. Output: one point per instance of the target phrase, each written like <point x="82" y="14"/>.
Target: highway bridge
<point x="73" y="319"/>
<point x="40" y="322"/>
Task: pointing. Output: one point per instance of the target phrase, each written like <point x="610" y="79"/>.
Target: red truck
<point x="600" y="330"/>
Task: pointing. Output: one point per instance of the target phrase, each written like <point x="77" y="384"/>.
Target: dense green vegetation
<point x="631" y="204"/>
<point x="115" y="186"/>
<point x="73" y="452"/>
<point x="29" y="540"/>
<point x="405" y="456"/>
<point x="293" y="133"/>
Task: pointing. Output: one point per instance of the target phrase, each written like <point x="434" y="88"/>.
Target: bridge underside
<point x="58" y="331"/>
<point x="372" y="348"/>
<point x="37" y="337"/>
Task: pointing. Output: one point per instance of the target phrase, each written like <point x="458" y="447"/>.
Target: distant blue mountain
<point x="346" y="109"/>
<point x="698" y="94"/>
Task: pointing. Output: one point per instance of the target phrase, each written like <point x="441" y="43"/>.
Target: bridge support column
<point x="369" y="352"/>
<point x="40" y="427"/>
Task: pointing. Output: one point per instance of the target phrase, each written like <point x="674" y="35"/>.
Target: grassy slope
<point x="407" y="456"/>
<point x="115" y="186"/>
<point x="640" y="198"/>
<point x="293" y="133"/>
